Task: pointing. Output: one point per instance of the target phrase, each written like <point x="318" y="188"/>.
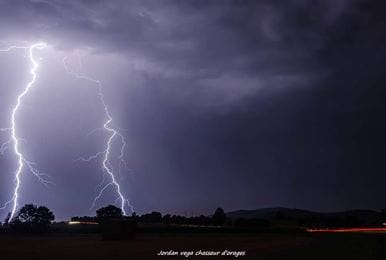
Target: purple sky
<point x="238" y="104"/>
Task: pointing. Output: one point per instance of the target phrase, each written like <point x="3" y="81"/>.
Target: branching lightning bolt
<point x="15" y="139"/>
<point x="107" y="167"/>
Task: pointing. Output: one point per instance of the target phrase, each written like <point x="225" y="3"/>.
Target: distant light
<point x="345" y="230"/>
<point x="82" y="222"/>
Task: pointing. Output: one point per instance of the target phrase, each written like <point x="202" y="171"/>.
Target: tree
<point x="154" y="217"/>
<point x="108" y="212"/>
<point x="166" y="219"/>
<point x="32" y="218"/>
<point x="27" y="213"/>
<point x="36" y="215"/>
<point x="84" y="219"/>
<point x="219" y="217"/>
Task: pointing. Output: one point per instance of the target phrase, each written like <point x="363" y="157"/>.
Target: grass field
<point x="147" y="246"/>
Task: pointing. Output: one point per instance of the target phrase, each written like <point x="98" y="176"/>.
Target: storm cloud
<point x="239" y="104"/>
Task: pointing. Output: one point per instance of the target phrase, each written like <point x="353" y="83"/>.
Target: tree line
<point x="33" y="218"/>
<point x="110" y="211"/>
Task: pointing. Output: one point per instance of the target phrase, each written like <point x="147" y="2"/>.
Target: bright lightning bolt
<point x="107" y="167"/>
<point x="15" y="139"/>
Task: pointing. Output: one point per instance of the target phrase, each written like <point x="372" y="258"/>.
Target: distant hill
<point x="365" y="216"/>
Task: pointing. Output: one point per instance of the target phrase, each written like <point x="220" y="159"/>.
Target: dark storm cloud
<point x="239" y="103"/>
<point x="256" y="44"/>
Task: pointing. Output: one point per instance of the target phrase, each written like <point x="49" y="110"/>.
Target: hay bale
<point x="118" y="229"/>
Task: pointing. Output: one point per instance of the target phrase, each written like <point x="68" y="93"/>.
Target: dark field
<point x="146" y="246"/>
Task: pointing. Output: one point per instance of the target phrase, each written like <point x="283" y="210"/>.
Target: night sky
<point x="238" y="104"/>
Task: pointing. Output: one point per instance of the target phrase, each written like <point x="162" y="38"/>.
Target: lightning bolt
<point x="15" y="139"/>
<point x="114" y="134"/>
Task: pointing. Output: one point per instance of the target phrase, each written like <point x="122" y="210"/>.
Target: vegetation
<point x="109" y="212"/>
<point x="31" y="218"/>
<point x="219" y="217"/>
<point x="261" y="238"/>
<point x="112" y="212"/>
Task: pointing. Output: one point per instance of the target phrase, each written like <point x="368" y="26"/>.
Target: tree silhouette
<point x="167" y="219"/>
<point x="32" y="218"/>
<point x="154" y="217"/>
<point x="35" y="215"/>
<point x="219" y="217"/>
<point x="108" y="212"/>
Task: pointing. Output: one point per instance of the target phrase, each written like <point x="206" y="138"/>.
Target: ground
<point x="147" y="246"/>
